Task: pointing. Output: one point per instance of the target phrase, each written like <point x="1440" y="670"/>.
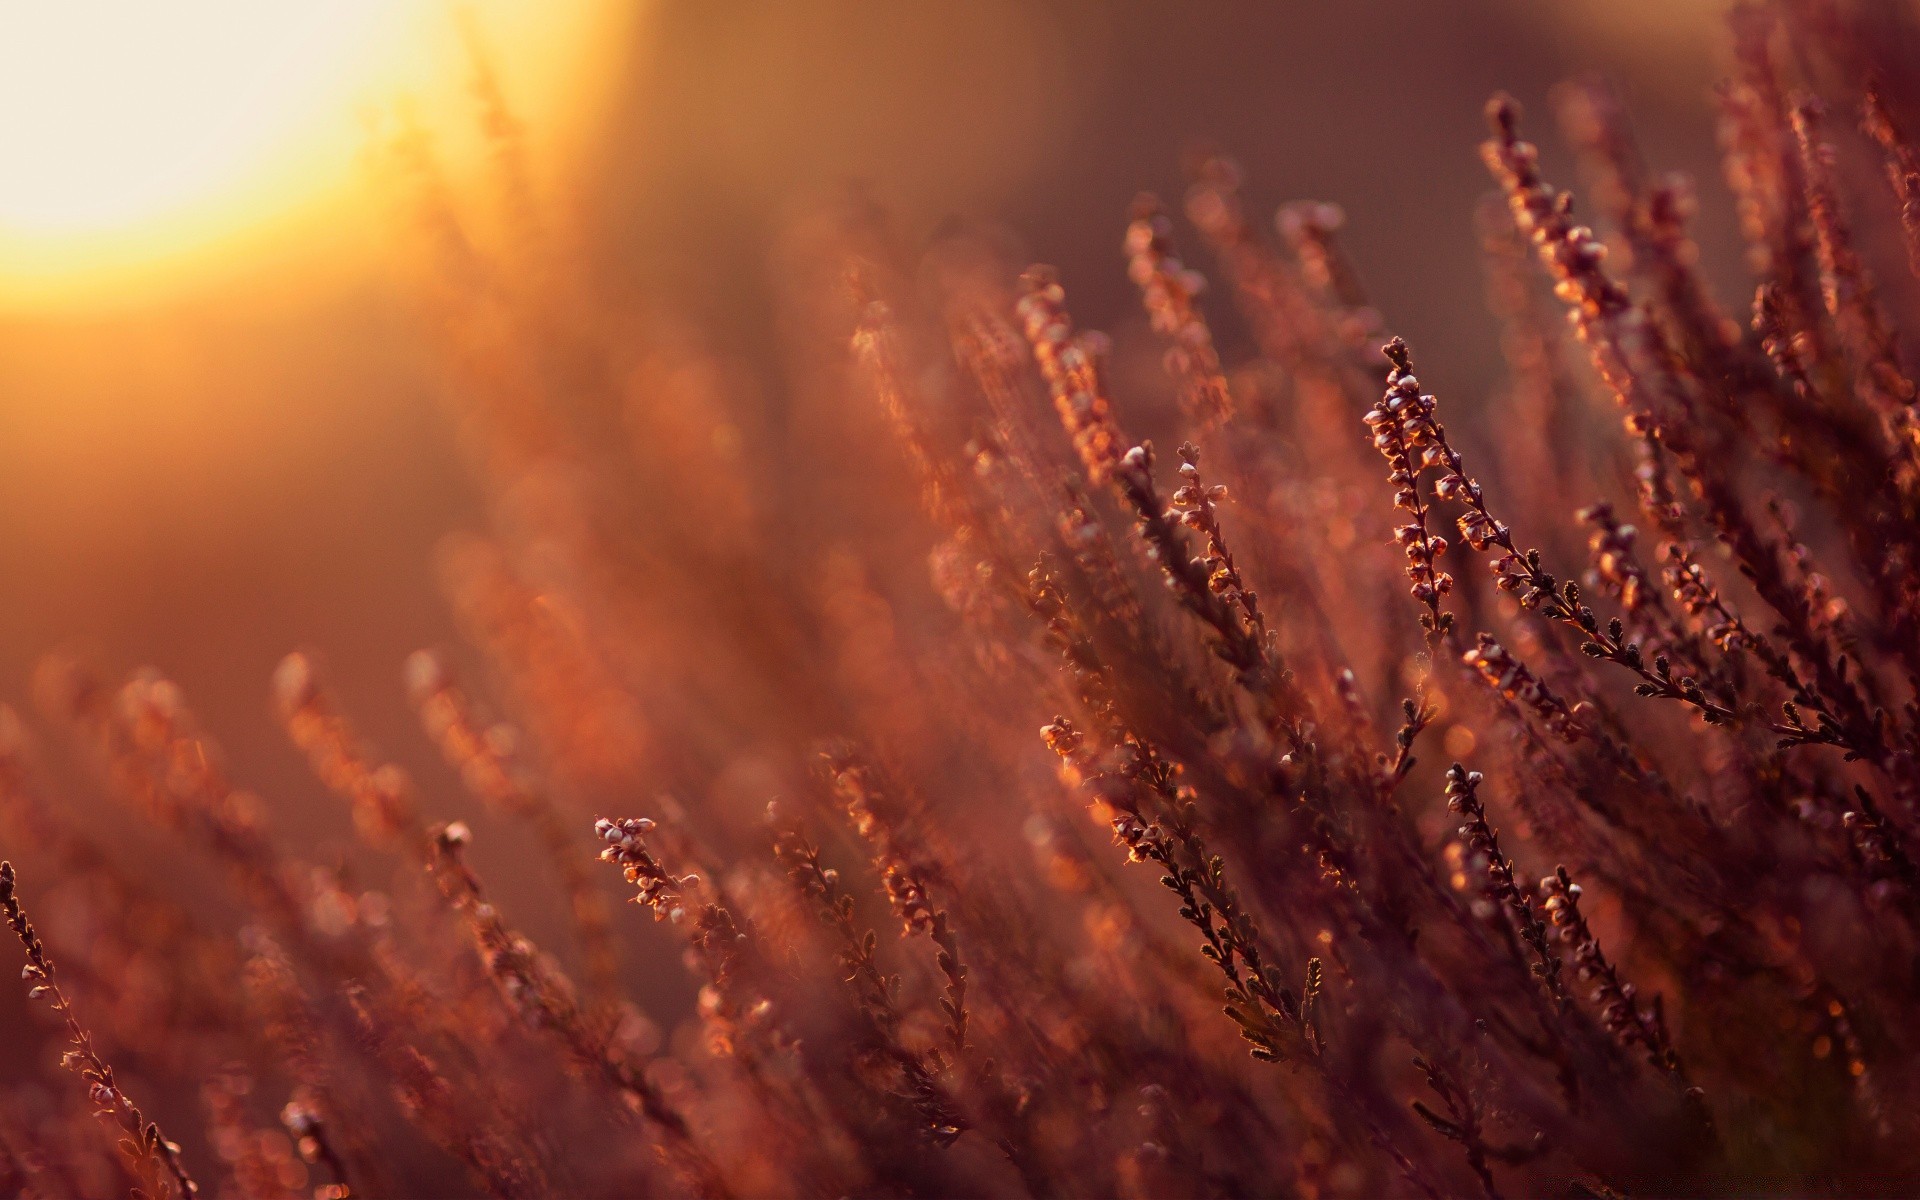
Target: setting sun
<point x="134" y="133"/>
<point x="111" y="115"/>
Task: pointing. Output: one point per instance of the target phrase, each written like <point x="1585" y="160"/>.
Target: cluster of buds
<point x="737" y="1019"/>
<point x="1396" y="422"/>
<point x="1694" y="591"/>
<point x="1072" y="366"/>
<point x="1572" y="253"/>
<point x="1193" y="506"/>
<point x="1463" y="799"/>
<point x="1110" y="775"/>
<point x="859" y="793"/>
<point x="1477" y="528"/>
<point x="1418" y="429"/>
<point x="1618" y="1013"/>
<point x="1615" y="566"/>
<point x="1517" y="682"/>
<point x="1136" y="466"/>
<point x="1240" y="632"/>
<point x="39" y="968"/>
<point x="873" y="819"/>
<point x="1618" y="336"/>
<point x="1167" y="288"/>
<point x="1145" y="840"/>
<point x="1064" y="738"/>
<point x="627" y="848"/>
<point x="908" y="896"/>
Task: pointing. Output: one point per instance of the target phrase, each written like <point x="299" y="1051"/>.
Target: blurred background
<point x="225" y="425"/>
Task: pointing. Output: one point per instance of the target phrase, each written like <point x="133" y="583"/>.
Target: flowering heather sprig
<point x="1463" y="798"/>
<point x="542" y="995"/>
<point x="1619" y="337"/>
<point x="1697" y="596"/>
<point x="487" y="762"/>
<point x="1195" y="501"/>
<point x="1421" y="545"/>
<point x="144" y="1139"/>
<point x="874" y="991"/>
<point x="627" y="849"/>
<point x="1619" y="1014"/>
<point x="1618" y="571"/>
<point x="1168" y="289"/>
<point x="1519" y="572"/>
<point x="1858" y="736"/>
<point x="1640" y="369"/>
<point x="1275" y="1021"/>
<point x="1241" y="638"/>
<point x="906" y="882"/>
<point x="1239" y="641"/>
<point x="1653" y="217"/>
<point x="1071" y="364"/>
<point x="1514" y="680"/>
<point x="720" y="947"/>
<point x="1267" y="1011"/>
<point x="1092" y="679"/>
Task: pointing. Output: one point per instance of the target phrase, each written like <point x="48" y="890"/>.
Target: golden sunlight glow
<point x="108" y="115"/>
<point x="135" y="132"/>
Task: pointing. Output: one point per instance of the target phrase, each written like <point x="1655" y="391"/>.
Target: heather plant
<point x="1034" y="812"/>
